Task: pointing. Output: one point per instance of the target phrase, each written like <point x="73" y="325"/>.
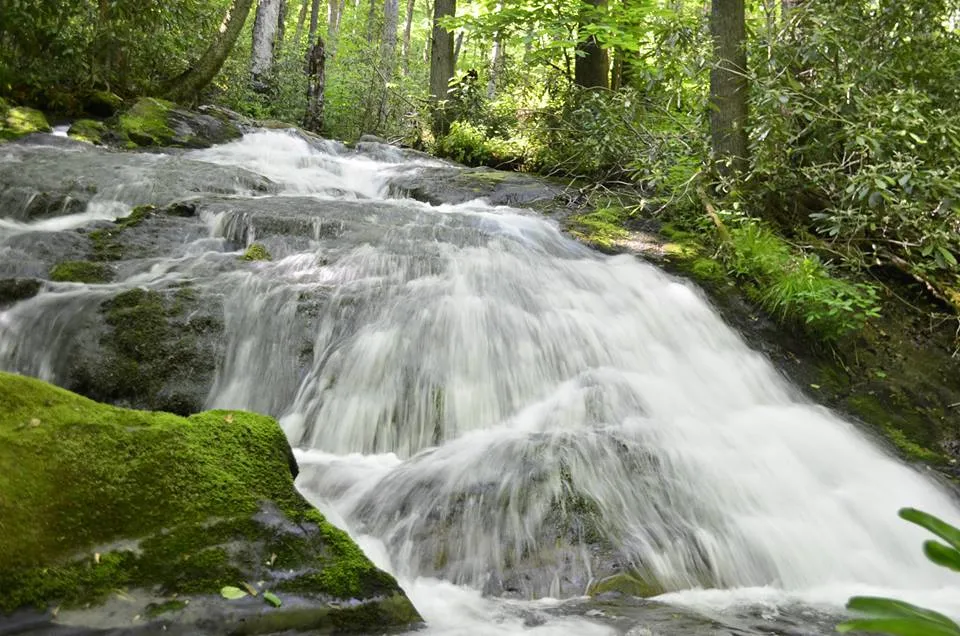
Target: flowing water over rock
<point x="501" y="416"/>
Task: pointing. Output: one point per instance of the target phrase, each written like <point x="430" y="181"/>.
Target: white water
<point x="476" y="377"/>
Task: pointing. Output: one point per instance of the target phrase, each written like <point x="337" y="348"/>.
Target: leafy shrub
<point x="469" y="144"/>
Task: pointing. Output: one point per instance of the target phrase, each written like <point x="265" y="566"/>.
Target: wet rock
<point x="156" y="122"/>
<point x="16" y="289"/>
<point x="455" y="185"/>
<point x="128" y="520"/>
<point x="147" y="349"/>
<point x="41" y="181"/>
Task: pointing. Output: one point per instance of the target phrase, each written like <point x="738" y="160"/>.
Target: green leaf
<point x="898" y="627"/>
<point x="942" y="555"/>
<point x="878" y="607"/>
<point x="935" y="525"/>
<point x="232" y="593"/>
<point x="272" y="598"/>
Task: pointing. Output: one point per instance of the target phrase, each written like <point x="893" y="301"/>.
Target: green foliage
<point x="898" y="618"/>
<point x="469" y="144"/>
<point x="798" y="287"/>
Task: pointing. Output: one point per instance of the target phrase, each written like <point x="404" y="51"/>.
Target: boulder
<point x="88" y="130"/>
<point x="19" y="121"/>
<point x="137" y="521"/>
<point x="157" y="122"/>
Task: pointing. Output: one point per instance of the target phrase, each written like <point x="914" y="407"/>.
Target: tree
<point x="186" y="86"/>
<point x="267" y="26"/>
<point x="592" y="66"/>
<point x="441" y="65"/>
<point x="316" y="75"/>
<point x="388" y="51"/>
<point x="407" y="31"/>
<point x="728" y="86"/>
<point x="496" y="57"/>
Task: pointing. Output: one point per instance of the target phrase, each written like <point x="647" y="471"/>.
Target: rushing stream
<point x="495" y="412"/>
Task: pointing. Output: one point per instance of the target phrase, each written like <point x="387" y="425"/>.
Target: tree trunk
<point x="262" y="54"/>
<point x="301" y="21"/>
<point x="388" y="53"/>
<point x="441" y="65"/>
<point x="314" y="22"/>
<point x="335" y="10"/>
<point x="592" y="67"/>
<point x="316" y="80"/>
<point x="371" y="21"/>
<point x="281" y="30"/>
<point x="496" y="57"/>
<point x="728" y="86"/>
<point x="186" y="86"/>
<point x="457" y="47"/>
<point x="407" y="30"/>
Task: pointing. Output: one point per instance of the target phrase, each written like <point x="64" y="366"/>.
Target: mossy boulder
<point x="88" y="130"/>
<point x="18" y="121"/>
<point x="256" y="252"/>
<point x="626" y="584"/>
<point x="157" y="122"/>
<point x="81" y="272"/>
<point x="14" y="290"/>
<point x="102" y="103"/>
<point x="99" y="503"/>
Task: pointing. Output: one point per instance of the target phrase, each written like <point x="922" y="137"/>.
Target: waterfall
<point x="489" y="406"/>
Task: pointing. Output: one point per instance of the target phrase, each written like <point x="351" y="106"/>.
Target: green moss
<point x="17" y="121"/>
<point x="908" y="431"/>
<point x="96" y="499"/>
<point x="103" y="103"/>
<point x="88" y="130"/>
<point x="146" y="124"/>
<point x="256" y="252"/>
<point x="16" y="289"/>
<point x="106" y="244"/>
<point x="603" y="227"/>
<point x="626" y="584"/>
<point x="81" y="272"/>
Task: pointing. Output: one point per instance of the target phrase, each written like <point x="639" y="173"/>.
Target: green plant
<point x="890" y="616"/>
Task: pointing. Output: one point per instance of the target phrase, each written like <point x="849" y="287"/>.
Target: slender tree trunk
<point x="314" y="21"/>
<point x="186" y="86"/>
<point x="457" y="47"/>
<point x="728" y="86"/>
<point x="441" y="65"/>
<point x="316" y="81"/>
<point x="371" y="21"/>
<point x="496" y="55"/>
<point x="407" y="30"/>
<point x="388" y="54"/>
<point x="301" y="21"/>
<point x="592" y="66"/>
<point x="281" y="30"/>
<point x="335" y="10"/>
<point x="262" y="55"/>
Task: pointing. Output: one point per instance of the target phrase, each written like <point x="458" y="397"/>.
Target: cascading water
<point x="483" y="401"/>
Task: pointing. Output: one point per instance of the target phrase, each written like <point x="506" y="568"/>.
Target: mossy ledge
<point x="19" y="121"/>
<point x="99" y="503"/>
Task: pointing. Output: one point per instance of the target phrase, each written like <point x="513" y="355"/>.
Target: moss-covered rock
<point x="152" y="352"/>
<point x="88" y="130"/>
<point x="81" y="272"/>
<point x="98" y="501"/>
<point x="13" y="290"/>
<point x="157" y="122"/>
<point x="256" y="252"/>
<point x="18" y="121"/>
<point x="626" y="584"/>
<point x="102" y="103"/>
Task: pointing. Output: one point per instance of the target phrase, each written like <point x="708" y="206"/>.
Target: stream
<point x="495" y="412"/>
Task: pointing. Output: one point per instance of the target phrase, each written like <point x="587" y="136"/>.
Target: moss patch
<point x="81" y="272"/>
<point x="146" y="124"/>
<point x="626" y="584"/>
<point x="88" y="130"/>
<point x="103" y="103"/>
<point x="602" y="228"/>
<point x="106" y="243"/>
<point x="256" y="252"/>
<point x="16" y="289"/>
<point x="95" y="499"/>
<point x="18" y="121"/>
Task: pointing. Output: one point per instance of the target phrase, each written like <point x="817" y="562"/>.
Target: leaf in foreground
<point x="232" y="593"/>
